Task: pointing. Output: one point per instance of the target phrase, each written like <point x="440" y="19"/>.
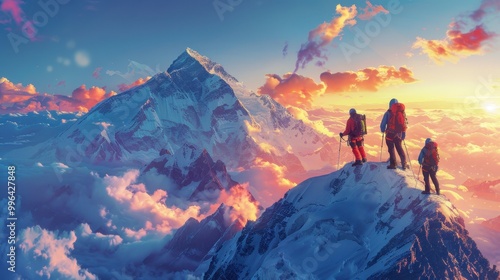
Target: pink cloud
<point x="457" y="44"/>
<point x="322" y="35"/>
<point x="150" y="208"/>
<point x="243" y="206"/>
<point x="368" y="79"/>
<point x="370" y="11"/>
<point x="49" y="254"/>
<point x="11" y="93"/>
<point x="138" y="82"/>
<point x="13" y="7"/>
<point x="291" y="89"/>
<point x="88" y="98"/>
<point x="461" y="39"/>
<point x="17" y="98"/>
<point x="97" y="73"/>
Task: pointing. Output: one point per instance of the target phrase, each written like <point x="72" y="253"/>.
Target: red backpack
<point x="431" y="156"/>
<point x="397" y="118"/>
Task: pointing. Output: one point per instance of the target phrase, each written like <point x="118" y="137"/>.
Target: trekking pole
<point x="414" y="177"/>
<point x="419" y="169"/>
<point x="340" y="146"/>
<point x="382" y="146"/>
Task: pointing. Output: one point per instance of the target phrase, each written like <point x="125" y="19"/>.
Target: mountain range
<point x="195" y="102"/>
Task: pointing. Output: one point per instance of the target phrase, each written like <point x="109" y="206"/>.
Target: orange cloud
<point x="242" y="205"/>
<point x="88" y="98"/>
<point x="368" y="79"/>
<point x="291" y="89"/>
<point x="370" y="11"/>
<point x="11" y="93"/>
<point x="138" y="82"/>
<point x="16" y="98"/>
<point x="456" y="44"/>
<point x="461" y="40"/>
<point x="273" y="174"/>
<point x="322" y="35"/>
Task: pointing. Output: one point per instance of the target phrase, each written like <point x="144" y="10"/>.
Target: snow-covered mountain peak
<point x="191" y="59"/>
<point x="357" y="223"/>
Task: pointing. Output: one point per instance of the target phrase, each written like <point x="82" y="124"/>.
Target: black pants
<point x="396" y="142"/>
<point x="430" y="173"/>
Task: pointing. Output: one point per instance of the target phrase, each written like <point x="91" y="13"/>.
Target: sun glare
<point x="490" y="107"/>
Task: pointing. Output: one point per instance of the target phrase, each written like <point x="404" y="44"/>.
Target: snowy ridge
<point x="357" y="223"/>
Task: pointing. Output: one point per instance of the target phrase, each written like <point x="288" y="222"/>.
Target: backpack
<point x="359" y="126"/>
<point x="397" y="118"/>
<point x="431" y="156"/>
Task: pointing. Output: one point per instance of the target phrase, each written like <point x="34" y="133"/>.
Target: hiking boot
<point x="357" y="162"/>
<point x="426" y="192"/>
<point x="364" y="160"/>
<point x="438" y="193"/>
<point x="390" y="166"/>
<point x="404" y="166"/>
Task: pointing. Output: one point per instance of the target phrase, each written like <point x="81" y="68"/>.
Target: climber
<point x="429" y="160"/>
<point x="393" y="124"/>
<point x="355" y="129"/>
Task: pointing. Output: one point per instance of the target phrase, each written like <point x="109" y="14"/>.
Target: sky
<point x="61" y="45"/>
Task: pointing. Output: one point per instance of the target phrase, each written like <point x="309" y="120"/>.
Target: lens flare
<point x="490" y="107"/>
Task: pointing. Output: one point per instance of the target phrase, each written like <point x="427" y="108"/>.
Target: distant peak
<point x="193" y="53"/>
<point x="203" y="60"/>
<point x="190" y="56"/>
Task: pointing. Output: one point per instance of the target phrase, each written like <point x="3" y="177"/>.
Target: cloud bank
<point x="368" y="79"/>
<point x="16" y="98"/>
<point x="291" y="89"/>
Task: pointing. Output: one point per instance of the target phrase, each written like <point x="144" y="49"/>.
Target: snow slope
<point x="357" y="223"/>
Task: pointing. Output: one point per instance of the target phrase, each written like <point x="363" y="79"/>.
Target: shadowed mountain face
<point x="365" y="223"/>
<point x="195" y="242"/>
